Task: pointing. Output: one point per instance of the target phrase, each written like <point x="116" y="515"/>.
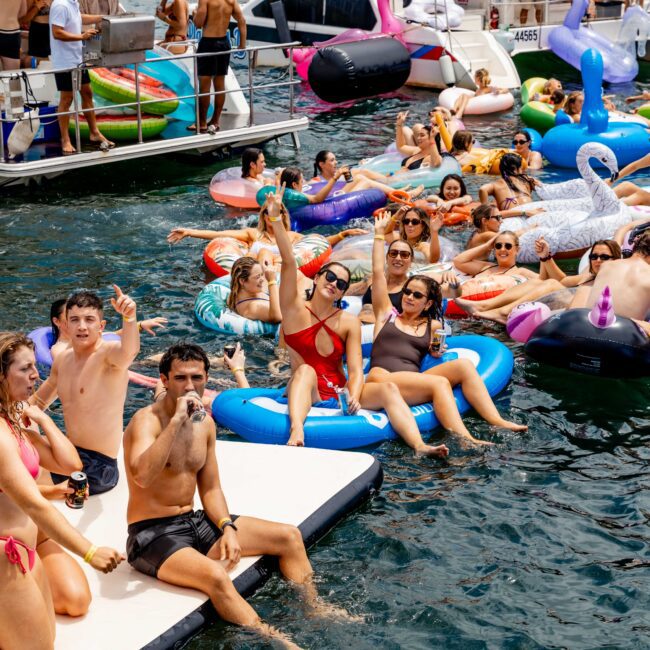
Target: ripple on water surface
<point x="538" y="542"/>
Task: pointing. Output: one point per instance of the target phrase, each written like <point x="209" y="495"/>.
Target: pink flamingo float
<point x="390" y="26"/>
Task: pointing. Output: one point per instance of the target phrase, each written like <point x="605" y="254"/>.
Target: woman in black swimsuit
<point x="401" y="343"/>
<point x="254" y="291"/>
<point x="38" y="17"/>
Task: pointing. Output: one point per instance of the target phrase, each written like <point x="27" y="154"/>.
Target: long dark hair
<point x="434" y="293"/>
<point x="452" y="177"/>
<point x="321" y="157"/>
<point x="614" y="249"/>
<point x="461" y="142"/>
<point x="508" y="167"/>
<point x="426" y="230"/>
<point x="289" y="176"/>
<point x="249" y="157"/>
<point x="480" y="212"/>
<point x="55" y="312"/>
<point x="310" y="294"/>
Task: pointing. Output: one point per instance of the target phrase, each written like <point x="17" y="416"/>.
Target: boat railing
<point x="23" y="76"/>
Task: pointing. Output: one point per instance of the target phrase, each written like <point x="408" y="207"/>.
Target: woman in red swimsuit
<point x="26" y="610"/>
<point x="317" y="334"/>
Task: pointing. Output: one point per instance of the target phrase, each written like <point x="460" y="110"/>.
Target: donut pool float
<point x="260" y="414"/>
<point x="118" y="86"/>
<point x="311" y="252"/>
<point x="122" y="128"/>
<point x="390" y="163"/>
<point x="228" y="186"/>
<point x="481" y="105"/>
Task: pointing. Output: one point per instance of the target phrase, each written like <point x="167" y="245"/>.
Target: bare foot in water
<point x="438" y="451"/>
<point x="495" y="315"/>
<point x="471" y="441"/>
<point x="511" y="426"/>
<point x="272" y="633"/>
<point x="326" y="610"/>
<point x="296" y="438"/>
<point x="416" y="191"/>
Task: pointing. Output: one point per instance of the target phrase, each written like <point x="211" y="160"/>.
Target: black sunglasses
<point x="403" y="254"/>
<point x="418" y="295"/>
<point x="496" y="217"/>
<point x="341" y="284"/>
<point x="515" y="142"/>
<point x="603" y="257"/>
<point x="499" y="245"/>
<point x="412" y="222"/>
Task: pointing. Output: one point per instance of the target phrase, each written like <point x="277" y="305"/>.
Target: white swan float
<point x="571" y="225"/>
<point x="438" y="14"/>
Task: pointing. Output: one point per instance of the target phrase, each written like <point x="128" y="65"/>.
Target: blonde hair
<point x="240" y="272"/>
<point x="10" y="343"/>
<point x="509" y="233"/>
<point x="261" y="222"/>
<point x="483" y="76"/>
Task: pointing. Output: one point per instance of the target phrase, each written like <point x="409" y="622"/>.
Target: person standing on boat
<point x="168" y="456"/>
<point x="66" y="36"/>
<point x="91" y="378"/>
<point x="176" y="16"/>
<point x="10" y="10"/>
<point x="213" y="17"/>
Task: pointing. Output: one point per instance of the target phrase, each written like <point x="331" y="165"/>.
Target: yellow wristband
<point x="234" y="370"/>
<point x="90" y="554"/>
<point x="222" y="521"/>
<point x="272" y="282"/>
<point x="127" y="319"/>
<point x="274" y="219"/>
<point x="380" y="237"/>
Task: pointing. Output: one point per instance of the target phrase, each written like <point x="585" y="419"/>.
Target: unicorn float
<point x="570" y="40"/>
<point x="635" y="31"/>
<point x="593" y="341"/>
<point x="629" y="141"/>
<point x="438" y="14"/>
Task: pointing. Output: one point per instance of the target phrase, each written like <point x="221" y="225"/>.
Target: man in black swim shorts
<point x="213" y="16"/>
<point x="10" y="10"/>
<point x="167" y="457"/>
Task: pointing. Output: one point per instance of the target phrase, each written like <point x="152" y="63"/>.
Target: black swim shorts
<point x="152" y="541"/>
<point x="64" y="80"/>
<point x="213" y="66"/>
<point x="39" y="40"/>
<point x="101" y="471"/>
<point x="10" y="44"/>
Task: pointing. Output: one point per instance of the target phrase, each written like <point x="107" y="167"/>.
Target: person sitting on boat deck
<point x="10" y="11"/>
<point x="504" y="244"/>
<point x="254" y="291"/>
<point x="260" y="240"/>
<point x="558" y="99"/>
<point x="512" y="190"/>
<point x="61" y="337"/>
<point x="317" y="333"/>
<point x="551" y="279"/>
<point x="213" y="17"/>
<point x="66" y="36"/>
<point x="402" y="341"/>
<point x="573" y="106"/>
<point x="176" y="16"/>
<point x="27" y="613"/>
<point x="325" y="167"/>
<point x="91" y="378"/>
<point x="452" y="193"/>
<point x="521" y="145"/>
<point x="37" y="17"/>
<point x="167" y="458"/>
<point x="629" y="282"/>
<point x="483" y="87"/>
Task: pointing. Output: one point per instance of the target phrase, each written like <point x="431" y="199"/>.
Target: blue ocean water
<point x="538" y="542"/>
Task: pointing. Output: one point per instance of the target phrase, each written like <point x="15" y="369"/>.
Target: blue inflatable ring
<point x="43" y="338"/>
<point x="261" y="415"/>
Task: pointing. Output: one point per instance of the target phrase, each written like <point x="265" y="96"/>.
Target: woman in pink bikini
<point x="317" y="334"/>
<point x="26" y="608"/>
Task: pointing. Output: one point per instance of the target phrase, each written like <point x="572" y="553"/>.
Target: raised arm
<point x="400" y="138"/>
<point x="47" y="392"/>
<point x="435" y="159"/>
<point x="469" y="261"/>
<point x="435" y="223"/>
<point x="237" y="365"/>
<point x="122" y="353"/>
<point x="381" y="303"/>
<point x="547" y="266"/>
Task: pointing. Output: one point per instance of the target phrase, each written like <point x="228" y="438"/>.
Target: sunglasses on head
<point x="516" y="142"/>
<point x="507" y="245"/>
<point x="412" y="222"/>
<point x="341" y="284"/>
<point x="418" y="295"/>
<point x="603" y="257"/>
<point x="403" y="254"/>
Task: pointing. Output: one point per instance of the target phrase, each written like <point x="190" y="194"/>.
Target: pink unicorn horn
<point x="602" y="313"/>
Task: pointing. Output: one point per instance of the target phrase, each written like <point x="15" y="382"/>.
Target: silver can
<point x="438" y="341"/>
<point x="196" y="412"/>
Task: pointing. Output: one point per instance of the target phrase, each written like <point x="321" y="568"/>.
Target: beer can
<point x="348" y="176"/>
<point x="438" y="340"/>
<point x="78" y="481"/>
<point x="196" y="412"/>
<point x="344" y="396"/>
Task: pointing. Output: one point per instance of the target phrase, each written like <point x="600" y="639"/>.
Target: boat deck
<point x="310" y="488"/>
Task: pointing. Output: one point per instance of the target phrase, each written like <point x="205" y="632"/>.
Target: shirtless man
<point x="213" y="16"/>
<point x="91" y="378"/>
<point x="167" y="458"/>
<point x="629" y="282"/>
<point x="10" y="33"/>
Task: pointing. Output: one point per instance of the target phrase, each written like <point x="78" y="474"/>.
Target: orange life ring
<point x="400" y="196"/>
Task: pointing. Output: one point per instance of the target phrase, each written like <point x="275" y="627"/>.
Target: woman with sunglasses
<point x="513" y="190"/>
<point x="26" y="608"/>
<point x="419" y="229"/>
<point x="487" y="221"/>
<point x="402" y="341"/>
<point x="551" y="279"/>
<point x="317" y="334"/>
<point x="521" y="145"/>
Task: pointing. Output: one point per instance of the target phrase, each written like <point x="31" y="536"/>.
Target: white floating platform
<point x="310" y="488"/>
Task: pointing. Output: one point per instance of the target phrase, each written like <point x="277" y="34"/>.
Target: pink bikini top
<point x="28" y="454"/>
